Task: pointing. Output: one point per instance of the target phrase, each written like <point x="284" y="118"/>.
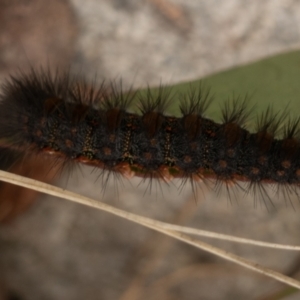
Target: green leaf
<point x="269" y="82"/>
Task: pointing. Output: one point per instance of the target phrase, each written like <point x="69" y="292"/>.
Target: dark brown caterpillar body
<point x="59" y="116"/>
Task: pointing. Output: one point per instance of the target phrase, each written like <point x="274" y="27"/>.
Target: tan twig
<point x="149" y="223"/>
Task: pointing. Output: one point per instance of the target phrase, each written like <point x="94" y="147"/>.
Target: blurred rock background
<point x="60" y="250"/>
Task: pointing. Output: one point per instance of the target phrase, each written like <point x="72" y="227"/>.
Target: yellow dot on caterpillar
<point x="280" y="173"/>
<point x="255" y="171"/>
<point x="286" y="164"/>
<point x="88" y="155"/>
<point x="222" y="164"/>
<point x="106" y="151"/>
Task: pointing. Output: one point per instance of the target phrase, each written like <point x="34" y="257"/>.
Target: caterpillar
<point x="61" y="116"/>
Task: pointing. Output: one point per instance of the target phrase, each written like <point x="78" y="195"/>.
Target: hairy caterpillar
<point x="63" y="117"/>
